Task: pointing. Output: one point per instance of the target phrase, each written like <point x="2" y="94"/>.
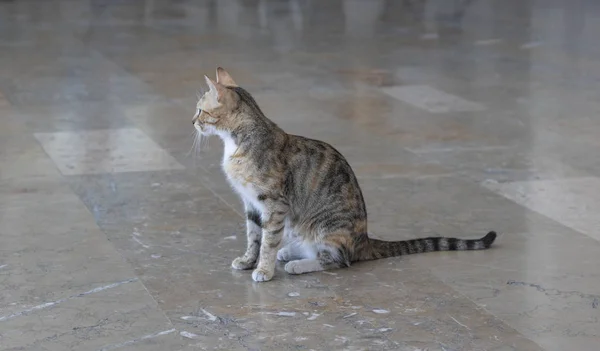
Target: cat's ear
<point x="215" y="89"/>
<point x="211" y="85"/>
<point x="224" y="78"/>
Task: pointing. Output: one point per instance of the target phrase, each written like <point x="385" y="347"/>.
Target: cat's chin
<point x="209" y="133"/>
<point x="204" y="132"/>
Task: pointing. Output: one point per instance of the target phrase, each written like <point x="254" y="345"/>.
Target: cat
<point x="302" y="200"/>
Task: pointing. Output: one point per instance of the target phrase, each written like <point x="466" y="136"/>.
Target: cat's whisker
<point x="198" y="145"/>
<point x="204" y="144"/>
<point x="197" y="138"/>
<point x="194" y="142"/>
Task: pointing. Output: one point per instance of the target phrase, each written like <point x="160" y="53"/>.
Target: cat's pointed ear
<point x="211" y="85"/>
<point x="224" y="78"/>
<point x="216" y="90"/>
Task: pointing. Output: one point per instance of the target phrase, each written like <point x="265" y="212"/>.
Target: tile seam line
<point x="123" y="258"/>
<point x="135" y="126"/>
<point x="65" y="299"/>
<point x="483" y="308"/>
<point x="61" y="175"/>
<point x="63" y="179"/>
<point x="537" y="212"/>
<point x="136" y="340"/>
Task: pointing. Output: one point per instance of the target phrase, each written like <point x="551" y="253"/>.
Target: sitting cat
<point x="296" y="190"/>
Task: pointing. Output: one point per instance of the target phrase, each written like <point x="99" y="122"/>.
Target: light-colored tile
<point x="117" y="317"/>
<point x="161" y="119"/>
<point x="431" y="99"/>
<point x="105" y="151"/>
<point x="183" y="255"/>
<point x="53" y="254"/>
<point x="546" y="299"/>
<point x="65" y="63"/>
<point x="574" y="203"/>
<point x="20" y="155"/>
<point x="72" y="117"/>
<point x="553" y="309"/>
<point x="539" y="277"/>
<point x="63" y="285"/>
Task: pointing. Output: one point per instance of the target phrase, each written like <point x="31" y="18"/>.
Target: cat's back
<point x="322" y="189"/>
<point x="313" y="152"/>
<point x="318" y="171"/>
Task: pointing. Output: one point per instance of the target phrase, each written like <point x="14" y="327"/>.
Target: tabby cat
<point x="302" y="200"/>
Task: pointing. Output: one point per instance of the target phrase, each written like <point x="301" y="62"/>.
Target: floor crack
<point x="555" y="292"/>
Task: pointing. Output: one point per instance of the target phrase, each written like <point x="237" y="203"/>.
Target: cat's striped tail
<point x="383" y="249"/>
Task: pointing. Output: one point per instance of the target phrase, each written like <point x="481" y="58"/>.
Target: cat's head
<point x="214" y="109"/>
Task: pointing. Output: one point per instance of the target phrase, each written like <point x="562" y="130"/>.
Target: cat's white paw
<point x="294" y="267"/>
<point x="261" y="275"/>
<point x="242" y="263"/>
<point x="303" y="266"/>
<point x="284" y="254"/>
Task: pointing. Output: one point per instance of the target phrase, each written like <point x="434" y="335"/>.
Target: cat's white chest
<point x="238" y="176"/>
<point x="246" y="191"/>
<point x="229" y="148"/>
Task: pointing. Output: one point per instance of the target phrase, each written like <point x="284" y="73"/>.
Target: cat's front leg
<point x="273" y="226"/>
<point x="253" y="236"/>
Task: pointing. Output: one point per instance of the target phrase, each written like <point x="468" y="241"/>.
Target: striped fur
<point x="303" y="202"/>
<point x="383" y="249"/>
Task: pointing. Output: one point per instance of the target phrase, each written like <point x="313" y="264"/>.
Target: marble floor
<point x="459" y="116"/>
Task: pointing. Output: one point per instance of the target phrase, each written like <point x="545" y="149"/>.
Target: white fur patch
<point x="261" y="276"/>
<point x="229" y="146"/>
<point x="246" y="191"/>
<point x="303" y="266"/>
<point x="296" y="249"/>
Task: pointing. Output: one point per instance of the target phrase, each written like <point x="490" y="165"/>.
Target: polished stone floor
<point x="458" y="116"/>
